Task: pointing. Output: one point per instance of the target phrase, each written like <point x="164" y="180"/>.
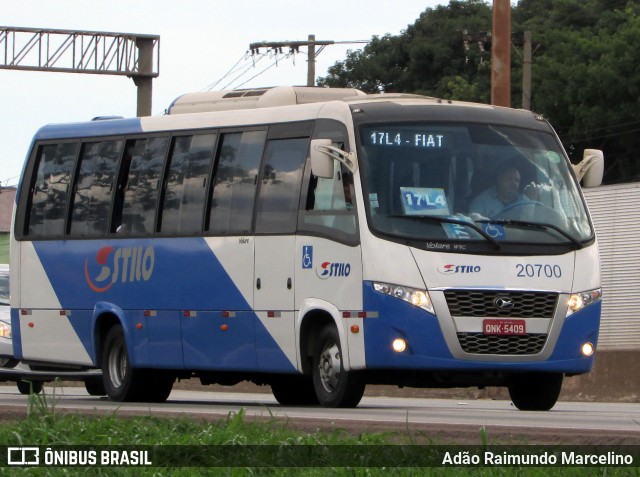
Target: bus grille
<point x="478" y="343"/>
<point x="482" y="303"/>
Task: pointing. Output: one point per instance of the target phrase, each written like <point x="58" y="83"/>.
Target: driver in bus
<point x="505" y="192"/>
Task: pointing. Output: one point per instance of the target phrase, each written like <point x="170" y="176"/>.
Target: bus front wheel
<point x="535" y="391"/>
<point x="335" y="387"/>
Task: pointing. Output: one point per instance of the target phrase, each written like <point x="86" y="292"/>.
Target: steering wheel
<point x="519" y="204"/>
<point x="538" y="212"/>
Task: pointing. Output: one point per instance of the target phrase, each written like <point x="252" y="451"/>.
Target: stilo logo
<point x="124" y="264"/>
<point x="452" y="268"/>
<point x="333" y="269"/>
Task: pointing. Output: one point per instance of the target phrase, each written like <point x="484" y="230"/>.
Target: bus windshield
<point x="470" y="182"/>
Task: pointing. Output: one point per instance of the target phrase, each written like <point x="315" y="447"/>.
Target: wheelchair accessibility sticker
<point x="307" y="256"/>
<point x="495" y="231"/>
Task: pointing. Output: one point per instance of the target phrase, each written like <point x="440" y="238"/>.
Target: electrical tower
<point x="68" y="51"/>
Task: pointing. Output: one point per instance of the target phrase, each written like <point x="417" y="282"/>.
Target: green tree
<point x="585" y="78"/>
<point x="427" y="58"/>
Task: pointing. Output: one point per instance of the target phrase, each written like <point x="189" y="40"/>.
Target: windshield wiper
<point x="448" y="220"/>
<point x="538" y="225"/>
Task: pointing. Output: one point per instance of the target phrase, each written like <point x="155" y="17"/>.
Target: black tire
<point x="294" y="391"/>
<point x="334" y="386"/>
<point x="119" y="378"/>
<point x="122" y="382"/>
<point x="95" y="387"/>
<point x="28" y="387"/>
<point x="8" y="363"/>
<point x="535" y="391"/>
<point x="158" y="385"/>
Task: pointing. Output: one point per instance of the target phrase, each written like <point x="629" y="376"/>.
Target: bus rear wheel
<point x="535" y="391"/>
<point x="124" y="383"/>
<point x="95" y="387"/>
<point x="335" y="387"/>
<point x="294" y="391"/>
<point x="29" y="387"/>
<point x="118" y="376"/>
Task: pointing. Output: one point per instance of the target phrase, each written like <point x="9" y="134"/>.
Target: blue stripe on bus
<point x="398" y="319"/>
<point x="108" y="127"/>
<point x="15" y="333"/>
<point x="427" y="349"/>
<point x="166" y="277"/>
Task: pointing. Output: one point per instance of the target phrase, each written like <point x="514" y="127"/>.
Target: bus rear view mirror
<point x="321" y="162"/>
<point x="321" y="151"/>
<point x="591" y="169"/>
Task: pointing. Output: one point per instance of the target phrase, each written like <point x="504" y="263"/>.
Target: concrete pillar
<point x="144" y="78"/>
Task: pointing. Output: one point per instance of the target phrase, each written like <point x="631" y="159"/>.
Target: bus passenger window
<point x="139" y="188"/>
<point x="234" y="186"/>
<point x="186" y="184"/>
<point x="49" y="190"/>
<point x="91" y="206"/>
<point x="279" y="194"/>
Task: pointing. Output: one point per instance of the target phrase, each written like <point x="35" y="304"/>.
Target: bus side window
<point x="49" y="190"/>
<point x="91" y="206"/>
<point x="281" y="181"/>
<point x="138" y="190"/>
<point x="235" y="181"/>
<point x="186" y="184"/>
<point x="330" y="203"/>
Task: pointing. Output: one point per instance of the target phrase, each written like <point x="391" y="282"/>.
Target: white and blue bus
<point x="313" y="240"/>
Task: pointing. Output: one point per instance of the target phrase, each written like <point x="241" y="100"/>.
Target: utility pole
<point x="526" y="72"/>
<point x="501" y="54"/>
<point x="311" y="61"/>
<point x="311" y="44"/>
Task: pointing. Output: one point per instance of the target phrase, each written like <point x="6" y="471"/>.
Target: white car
<point x="7" y="361"/>
<point x="6" y="347"/>
<point x="25" y="377"/>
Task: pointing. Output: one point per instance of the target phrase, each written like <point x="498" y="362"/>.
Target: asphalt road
<point x="443" y="420"/>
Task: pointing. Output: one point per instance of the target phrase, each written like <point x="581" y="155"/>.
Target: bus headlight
<point x="5" y="330"/>
<point x="578" y="301"/>
<point x="399" y="345"/>
<point x="588" y="349"/>
<point x="419" y="298"/>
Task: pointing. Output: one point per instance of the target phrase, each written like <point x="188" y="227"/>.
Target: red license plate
<point x="504" y="327"/>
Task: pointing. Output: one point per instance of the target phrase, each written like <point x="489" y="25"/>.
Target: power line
<point x="244" y="71"/>
<point x="586" y="136"/>
<point x="274" y="49"/>
<point x="261" y="72"/>
<point x="213" y="85"/>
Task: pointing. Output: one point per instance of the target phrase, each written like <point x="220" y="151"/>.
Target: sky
<point x="200" y="41"/>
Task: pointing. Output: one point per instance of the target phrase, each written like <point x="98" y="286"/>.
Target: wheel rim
<point x="329" y="367"/>
<point x="118" y="365"/>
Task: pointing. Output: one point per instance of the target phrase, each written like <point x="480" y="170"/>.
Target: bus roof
<point x="258" y="98"/>
<point x="285" y="104"/>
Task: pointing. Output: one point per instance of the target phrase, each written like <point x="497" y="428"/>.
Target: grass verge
<point x="235" y="446"/>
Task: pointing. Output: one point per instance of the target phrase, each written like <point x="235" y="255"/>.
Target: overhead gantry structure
<point x="69" y="51"/>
